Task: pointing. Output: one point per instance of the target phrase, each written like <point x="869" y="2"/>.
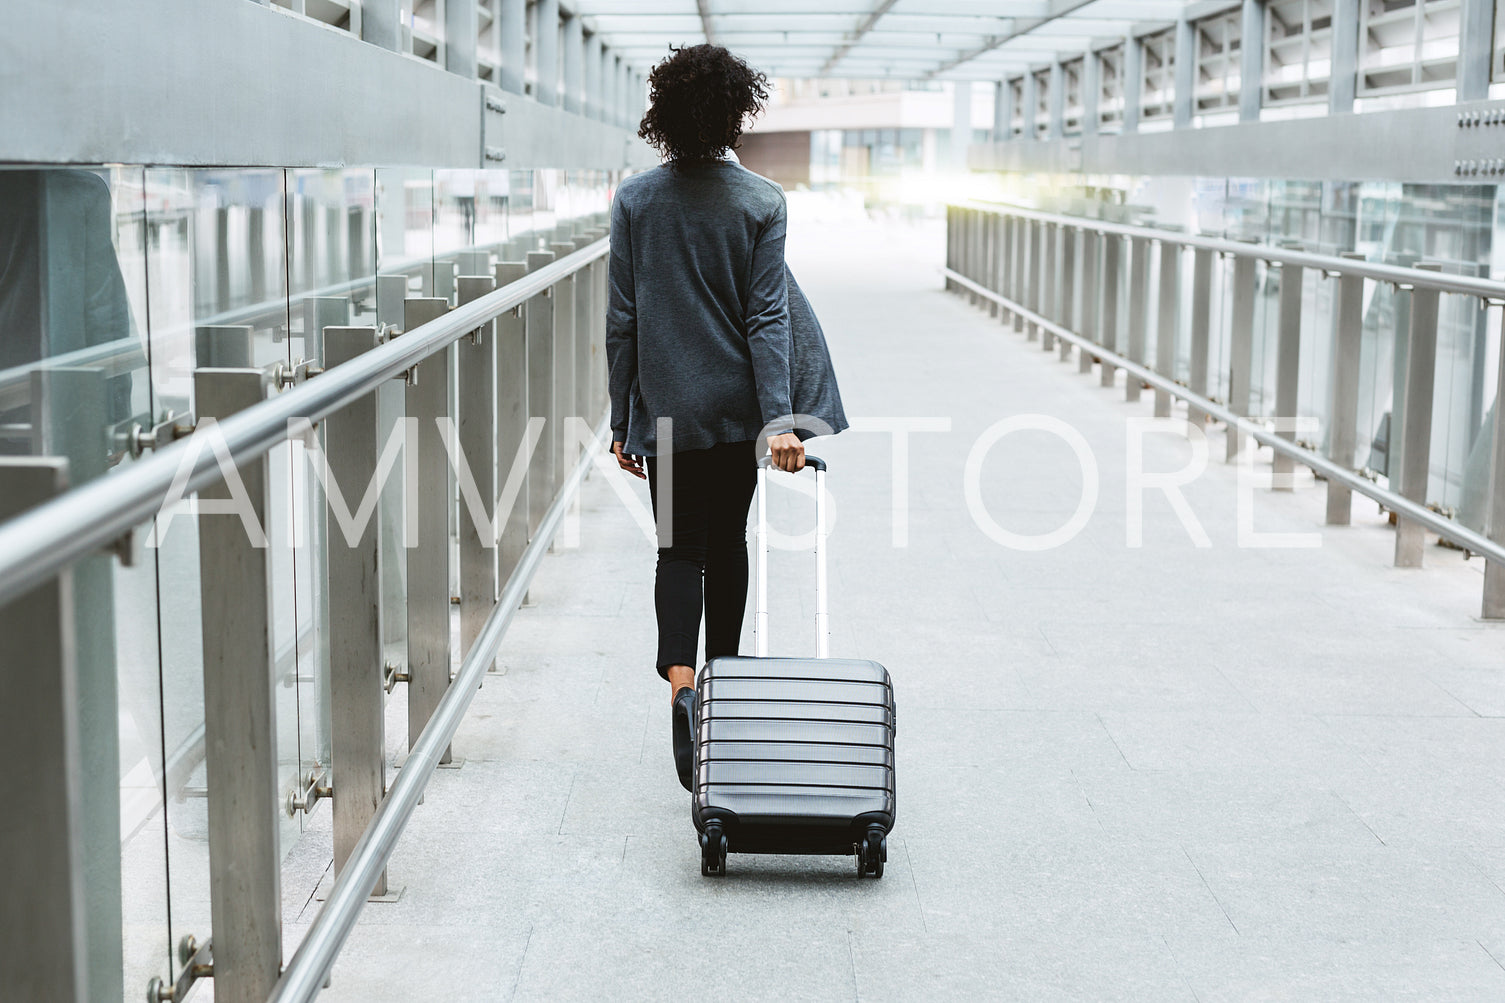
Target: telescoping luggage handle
<point x="760" y="610"/>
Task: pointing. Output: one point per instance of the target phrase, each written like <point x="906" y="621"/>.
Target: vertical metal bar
<point x="539" y="313"/>
<point x="320" y="312"/>
<point x="1343" y="421"/>
<point x="1139" y="282"/>
<point x="1050" y="305"/>
<point x="1165" y="320"/>
<point x="564" y="364"/>
<point x="222" y="298"/>
<point x="993" y="241"/>
<point x="256" y="253"/>
<point x="1287" y="369"/>
<point x="584" y="324"/>
<point x="1036" y="238"/>
<point x="356" y="656"/>
<point x="1415" y="430"/>
<point x="428" y="556"/>
<point x="1091" y="291"/>
<point x="478" y="585"/>
<point x="1241" y="344"/>
<point x="1020" y="269"/>
<point x="511" y="422"/>
<point x="70" y="410"/>
<point x="1494" y="572"/>
<point x="1112" y="251"/>
<point x="42" y="914"/>
<point x="1069" y="312"/>
<point x="240" y="717"/>
<point x="1201" y="326"/>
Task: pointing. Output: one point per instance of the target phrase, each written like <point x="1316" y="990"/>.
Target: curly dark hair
<point x="699" y="97"/>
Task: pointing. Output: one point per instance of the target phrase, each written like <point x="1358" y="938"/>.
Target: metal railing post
<point x="1032" y="301"/>
<point x="1343" y="419"/>
<point x="240" y="715"/>
<point x="428" y="557"/>
<point x="1287" y="370"/>
<point x="1415" y="430"/>
<point x="564" y="365"/>
<point x="356" y="655"/>
<point x="477" y="438"/>
<point x="1070" y="315"/>
<point x="1241" y="345"/>
<point x="1090" y="295"/>
<point x="1112" y="252"/>
<point x="1050" y="300"/>
<point x="1165" y="320"/>
<point x="584" y="327"/>
<point x="995" y="259"/>
<point x="952" y="212"/>
<point x="539" y="314"/>
<point x="1139" y="293"/>
<point x="44" y="952"/>
<point x="511" y="422"/>
<point x="1494" y="571"/>
<point x="1201" y="326"/>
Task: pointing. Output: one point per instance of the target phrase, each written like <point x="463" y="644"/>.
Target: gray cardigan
<point x="698" y="321"/>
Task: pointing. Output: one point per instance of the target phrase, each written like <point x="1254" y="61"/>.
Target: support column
<point x="381" y="23"/>
<point x="1133" y="83"/>
<point x="1002" y="113"/>
<point x="44" y="951"/>
<point x="1343" y="81"/>
<point x="1251" y="89"/>
<point x="961" y="125"/>
<point x="574" y="63"/>
<point x="514" y="36"/>
<point x="1031" y="101"/>
<point x="1092" y="85"/>
<point x="1476" y="40"/>
<point x="1185" y="102"/>
<point x="1055" y="96"/>
<point x="460" y="26"/>
<point x="591" y="104"/>
<point x="546" y="52"/>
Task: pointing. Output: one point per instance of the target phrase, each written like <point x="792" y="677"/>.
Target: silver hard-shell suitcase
<point x="793" y="755"/>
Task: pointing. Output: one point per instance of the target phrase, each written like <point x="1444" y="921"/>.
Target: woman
<point x="703" y="362"/>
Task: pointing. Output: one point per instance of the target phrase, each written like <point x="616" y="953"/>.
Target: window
<point x="1217" y="48"/>
<point x="1042" y="102"/>
<point x="1110" y="96"/>
<point x="1407" y="45"/>
<point x="1158" y="90"/>
<point x="1298" y="50"/>
<point x="1071" y="75"/>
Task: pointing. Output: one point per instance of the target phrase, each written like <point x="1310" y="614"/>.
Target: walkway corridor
<point x="1160" y="773"/>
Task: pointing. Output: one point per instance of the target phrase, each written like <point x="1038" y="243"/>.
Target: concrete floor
<point x="1155" y="773"/>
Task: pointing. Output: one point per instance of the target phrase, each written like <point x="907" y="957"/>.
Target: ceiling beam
<point x="1023" y="26"/>
<point x="704" y="7"/>
<point x="862" y="29"/>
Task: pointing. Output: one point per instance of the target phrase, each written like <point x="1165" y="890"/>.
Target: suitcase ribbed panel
<point x="789" y="743"/>
<point x="802" y="752"/>
<point x="718" y="772"/>
<point x="756" y="729"/>
<point x="820" y="690"/>
<point x="797" y="712"/>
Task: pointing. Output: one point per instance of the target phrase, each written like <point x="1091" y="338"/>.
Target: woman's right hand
<point x="632" y="464"/>
<point x="788" y="451"/>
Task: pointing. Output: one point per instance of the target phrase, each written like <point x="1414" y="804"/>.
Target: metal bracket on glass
<point x="496" y="153"/>
<point x="392" y="675"/>
<point x="284" y="376"/>
<point x="197" y="961"/>
<point x="133" y="436"/>
<point x="317" y="787"/>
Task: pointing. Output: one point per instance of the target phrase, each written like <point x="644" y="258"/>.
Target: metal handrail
<point x="309" y="968"/>
<point x="1400" y="275"/>
<point x="40" y="543"/>
<point x="1441" y="525"/>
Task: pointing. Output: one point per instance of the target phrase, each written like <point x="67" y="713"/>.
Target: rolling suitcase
<point x="793" y="755"/>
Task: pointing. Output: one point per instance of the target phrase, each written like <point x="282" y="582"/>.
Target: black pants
<point x="706" y="563"/>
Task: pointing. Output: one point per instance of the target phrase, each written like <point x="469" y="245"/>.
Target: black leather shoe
<point x="684" y="736"/>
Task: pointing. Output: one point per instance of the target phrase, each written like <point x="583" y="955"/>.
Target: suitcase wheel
<point x="871" y="853"/>
<point x="713" y="852"/>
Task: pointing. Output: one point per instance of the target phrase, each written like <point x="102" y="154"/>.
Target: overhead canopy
<point x="903" y="39"/>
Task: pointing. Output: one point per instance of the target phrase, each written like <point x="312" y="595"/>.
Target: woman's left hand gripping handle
<point x="632" y="464"/>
